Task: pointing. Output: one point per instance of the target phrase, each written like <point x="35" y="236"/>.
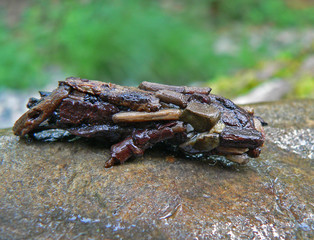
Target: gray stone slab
<point x="60" y="190"/>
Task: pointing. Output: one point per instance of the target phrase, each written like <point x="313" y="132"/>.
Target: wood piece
<point x="40" y="112"/>
<point x="201" y="116"/>
<point x="149" y="86"/>
<point x="131" y="97"/>
<point x="175" y="98"/>
<point x="167" y="114"/>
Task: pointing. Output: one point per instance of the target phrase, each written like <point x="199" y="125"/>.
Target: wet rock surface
<point x="60" y="190"/>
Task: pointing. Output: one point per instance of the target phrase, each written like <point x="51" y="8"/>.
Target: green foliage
<point x="304" y="88"/>
<point x="20" y="64"/>
<point x="233" y="86"/>
<point x="131" y="41"/>
<point x="256" y="12"/>
<point x="289" y="67"/>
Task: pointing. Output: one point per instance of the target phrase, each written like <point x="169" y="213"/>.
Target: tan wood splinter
<point x="167" y="114"/>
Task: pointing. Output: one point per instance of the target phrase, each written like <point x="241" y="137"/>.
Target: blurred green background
<point x="221" y="43"/>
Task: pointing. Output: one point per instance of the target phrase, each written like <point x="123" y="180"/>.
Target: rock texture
<point x="60" y="190"/>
